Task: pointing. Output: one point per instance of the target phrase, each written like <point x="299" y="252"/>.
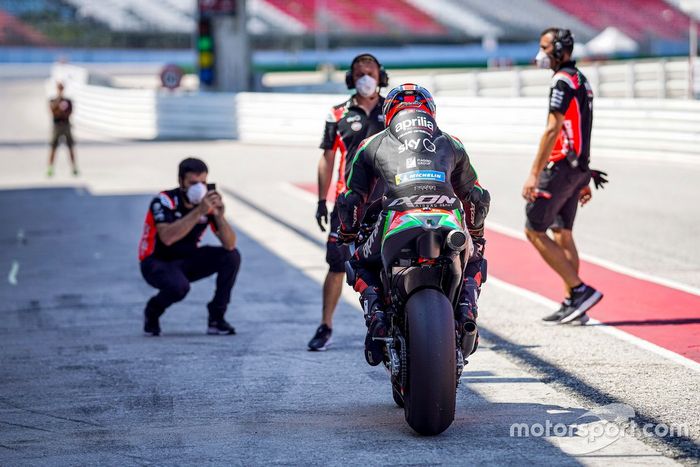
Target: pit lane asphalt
<point x="80" y="384"/>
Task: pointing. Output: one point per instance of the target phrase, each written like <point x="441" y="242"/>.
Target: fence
<point x="634" y="127"/>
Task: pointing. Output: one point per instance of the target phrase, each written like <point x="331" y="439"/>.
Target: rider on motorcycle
<point x="421" y="167"/>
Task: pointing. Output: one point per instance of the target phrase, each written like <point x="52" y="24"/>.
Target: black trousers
<point x="173" y="278"/>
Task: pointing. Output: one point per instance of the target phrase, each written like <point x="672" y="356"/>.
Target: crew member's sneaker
<point x="374" y="343"/>
<point x="322" y="338"/>
<point x="49" y="171"/>
<point x="560" y="313"/>
<point x="220" y="326"/>
<point x="75" y="172"/>
<point x="151" y="325"/>
<point x="583" y="298"/>
<point x="582" y="320"/>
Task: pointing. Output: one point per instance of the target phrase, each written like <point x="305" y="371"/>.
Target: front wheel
<point x="430" y="395"/>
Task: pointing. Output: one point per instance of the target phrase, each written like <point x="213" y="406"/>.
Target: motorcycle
<point x="423" y="255"/>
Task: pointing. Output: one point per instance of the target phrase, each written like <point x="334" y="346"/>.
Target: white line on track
<point x="613" y="331"/>
<point x="12" y="276"/>
<point x="641" y="343"/>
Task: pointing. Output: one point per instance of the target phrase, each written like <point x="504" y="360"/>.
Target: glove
<point x="477" y="208"/>
<point x="346" y="237"/>
<point x="322" y="214"/>
<point x="599" y="179"/>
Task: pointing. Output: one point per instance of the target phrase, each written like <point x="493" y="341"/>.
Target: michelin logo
<point x="420" y="175"/>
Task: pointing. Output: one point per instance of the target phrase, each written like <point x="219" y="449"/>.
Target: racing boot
<point x="151" y="315"/>
<point x="465" y="317"/>
<point x="377" y="330"/>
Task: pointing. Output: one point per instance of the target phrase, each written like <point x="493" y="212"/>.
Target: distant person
<point x="347" y="125"/>
<point x="169" y="252"/>
<point x="560" y="175"/>
<point x="61" y="110"/>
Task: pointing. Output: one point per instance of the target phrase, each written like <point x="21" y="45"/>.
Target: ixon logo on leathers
<point x="417" y="201"/>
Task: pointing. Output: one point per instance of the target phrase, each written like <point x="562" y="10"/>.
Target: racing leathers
<point x="420" y="167"/>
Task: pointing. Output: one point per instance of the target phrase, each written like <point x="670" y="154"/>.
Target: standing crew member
<point x="169" y="252"/>
<point x="347" y="125"/>
<point x="61" y="109"/>
<point x="560" y="175"/>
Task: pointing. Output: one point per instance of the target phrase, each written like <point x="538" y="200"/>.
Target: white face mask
<point x="543" y="61"/>
<point x="366" y="86"/>
<point x="196" y="193"/>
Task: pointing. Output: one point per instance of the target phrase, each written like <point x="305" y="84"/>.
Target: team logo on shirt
<point x="356" y="126"/>
<point x="166" y="201"/>
<point x="158" y="213"/>
<point x="411" y="163"/>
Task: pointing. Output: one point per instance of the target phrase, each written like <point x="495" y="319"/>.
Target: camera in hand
<point x="211" y="186"/>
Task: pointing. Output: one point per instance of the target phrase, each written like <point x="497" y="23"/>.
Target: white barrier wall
<point x="625" y="127"/>
<point x="634" y="127"/>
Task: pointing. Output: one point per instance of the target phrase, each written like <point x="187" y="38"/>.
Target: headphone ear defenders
<point x="383" y="76"/>
<point x="563" y="39"/>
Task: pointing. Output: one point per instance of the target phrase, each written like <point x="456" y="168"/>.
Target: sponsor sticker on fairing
<point x="420" y="175"/>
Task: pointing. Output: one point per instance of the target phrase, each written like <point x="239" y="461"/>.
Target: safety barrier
<point x="659" y="78"/>
<point x="623" y="126"/>
<point x="655" y="127"/>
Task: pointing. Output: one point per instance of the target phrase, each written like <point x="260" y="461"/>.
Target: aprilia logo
<point x="418" y="121"/>
<point x="423" y="200"/>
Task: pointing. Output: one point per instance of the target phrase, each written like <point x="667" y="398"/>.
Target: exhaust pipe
<point x="469" y="342"/>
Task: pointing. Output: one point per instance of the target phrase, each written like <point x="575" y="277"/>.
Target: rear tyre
<point x="430" y="396"/>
